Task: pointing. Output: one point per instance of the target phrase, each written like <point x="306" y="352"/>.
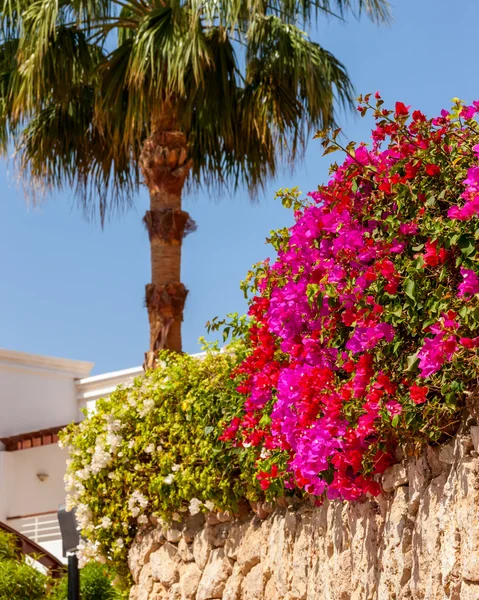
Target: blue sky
<point x="74" y="290"/>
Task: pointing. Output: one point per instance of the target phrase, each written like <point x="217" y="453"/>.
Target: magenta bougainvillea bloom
<point x="470" y="283"/>
<point x="364" y="331"/>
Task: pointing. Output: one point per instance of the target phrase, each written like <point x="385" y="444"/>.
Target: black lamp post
<point x="71" y="539"/>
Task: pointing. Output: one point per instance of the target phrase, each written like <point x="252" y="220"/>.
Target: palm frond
<point x="61" y="148"/>
<point x="68" y="58"/>
<point x="8" y="65"/>
<point x="292" y="83"/>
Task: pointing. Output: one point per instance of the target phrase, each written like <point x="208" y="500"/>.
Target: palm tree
<point x="100" y="95"/>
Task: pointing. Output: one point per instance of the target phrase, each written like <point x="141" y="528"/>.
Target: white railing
<point x="41" y="527"/>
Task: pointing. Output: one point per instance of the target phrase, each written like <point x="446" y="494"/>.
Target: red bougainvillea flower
<point x="418" y="394"/>
<point x="402" y="109"/>
<point x="432" y="170"/>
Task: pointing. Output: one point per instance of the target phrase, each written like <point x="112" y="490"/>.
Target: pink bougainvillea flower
<point x="435" y="352"/>
<point x="393" y="407"/>
<point x="469" y="210"/>
<point x="468" y="112"/>
<point x="470" y="283"/>
<point x="408" y="228"/>
<point x="365" y="338"/>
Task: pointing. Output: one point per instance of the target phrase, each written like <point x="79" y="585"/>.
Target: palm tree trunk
<point x="165" y="165"/>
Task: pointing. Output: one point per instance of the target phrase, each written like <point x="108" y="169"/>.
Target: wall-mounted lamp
<point x="42" y="476"/>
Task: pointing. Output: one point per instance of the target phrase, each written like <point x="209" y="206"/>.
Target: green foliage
<point x="95" y="584"/>
<point x="153" y="450"/>
<point x="18" y="579"/>
<point x="21" y="581"/>
<point x="8" y="550"/>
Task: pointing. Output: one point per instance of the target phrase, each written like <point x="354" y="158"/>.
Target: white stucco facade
<point x="39" y="394"/>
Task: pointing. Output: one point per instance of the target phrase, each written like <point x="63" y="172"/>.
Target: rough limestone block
<point x="475" y="437"/>
<point x="394" y="477"/>
<point x="144" y="544"/>
<point x="202" y="546"/>
<point x="253" y="584"/>
<point x="221" y="534"/>
<point x="164" y="565"/>
<point x="173" y="533"/>
<point x="192" y="526"/>
<point x="215" y="576"/>
<point x="469" y="591"/>
<point x="185" y="551"/>
<point x="190" y="576"/>
<point x="235" y="537"/>
<point x="232" y="589"/>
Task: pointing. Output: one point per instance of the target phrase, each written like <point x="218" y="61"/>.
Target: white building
<point x="39" y="395"/>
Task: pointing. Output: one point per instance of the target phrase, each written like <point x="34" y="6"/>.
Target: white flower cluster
<point x="73" y="485"/>
<point x="148" y="406"/>
<point x="196" y="505"/>
<point x="105" y="523"/>
<point x="86" y="552"/>
<point x="113" y="439"/>
<point x="137" y="503"/>
<point x="169" y="479"/>
<point x="131" y="399"/>
<point x="101" y="457"/>
<point x="119" y="543"/>
<point x="265" y="453"/>
<point x="84" y="517"/>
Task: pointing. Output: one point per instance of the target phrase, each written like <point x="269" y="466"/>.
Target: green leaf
<point x="330" y="150"/>
<point x="467" y="245"/>
<point x="410" y="289"/>
<point x="412" y="361"/>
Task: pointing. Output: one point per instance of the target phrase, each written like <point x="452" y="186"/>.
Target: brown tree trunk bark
<point x="165" y="165"/>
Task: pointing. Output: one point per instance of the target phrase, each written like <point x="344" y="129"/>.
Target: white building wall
<point x="46" y="401"/>
<point x="3" y="491"/>
<point x="25" y="493"/>
<point x="37" y="392"/>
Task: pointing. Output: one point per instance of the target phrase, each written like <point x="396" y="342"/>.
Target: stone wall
<point x="419" y="540"/>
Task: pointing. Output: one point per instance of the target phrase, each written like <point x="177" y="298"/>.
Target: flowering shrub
<point x="152" y="451"/>
<point x="365" y="329"/>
